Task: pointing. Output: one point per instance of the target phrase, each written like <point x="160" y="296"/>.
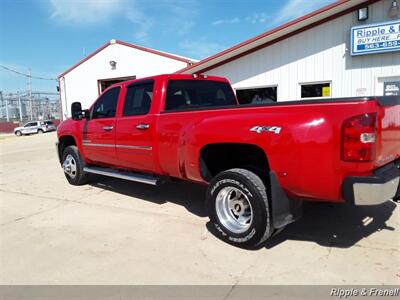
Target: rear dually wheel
<point x="239" y="208"/>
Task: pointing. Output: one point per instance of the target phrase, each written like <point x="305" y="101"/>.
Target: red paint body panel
<point x="307" y="149"/>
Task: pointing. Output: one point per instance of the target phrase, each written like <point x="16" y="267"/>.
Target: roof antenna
<point x="84" y="52"/>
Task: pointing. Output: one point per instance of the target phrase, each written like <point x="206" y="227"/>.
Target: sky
<point x="49" y="36"/>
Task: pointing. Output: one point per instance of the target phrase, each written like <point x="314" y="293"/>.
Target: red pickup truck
<point x="260" y="162"/>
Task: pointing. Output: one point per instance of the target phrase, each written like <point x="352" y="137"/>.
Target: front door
<point x="99" y="132"/>
<point x="30" y="128"/>
<point x="135" y="128"/>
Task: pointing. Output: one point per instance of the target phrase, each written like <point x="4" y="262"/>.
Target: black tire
<point x="40" y="131"/>
<point x="18" y="133"/>
<point x="80" y="176"/>
<point x="250" y="185"/>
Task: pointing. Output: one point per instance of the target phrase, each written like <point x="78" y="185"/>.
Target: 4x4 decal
<point x="260" y="129"/>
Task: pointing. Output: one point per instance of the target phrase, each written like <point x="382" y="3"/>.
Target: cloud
<point x="174" y="16"/>
<point x="258" y="18"/>
<point x="181" y="15"/>
<point x="84" y="12"/>
<point x="200" y="48"/>
<point x="142" y="22"/>
<point x="94" y="12"/>
<point x="254" y="19"/>
<point x="291" y="10"/>
<point x="229" y="21"/>
<point x="296" y="8"/>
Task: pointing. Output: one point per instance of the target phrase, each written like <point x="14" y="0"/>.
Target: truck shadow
<point x="329" y="225"/>
<point x="336" y="225"/>
<point x="189" y="195"/>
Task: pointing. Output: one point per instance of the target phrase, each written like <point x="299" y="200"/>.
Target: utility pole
<point x="20" y="106"/>
<point x="7" y="114"/>
<point x="30" y="93"/>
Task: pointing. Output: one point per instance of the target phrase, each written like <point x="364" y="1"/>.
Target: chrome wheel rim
<point x="69" y="166"/>
<point x="234" y="210"/>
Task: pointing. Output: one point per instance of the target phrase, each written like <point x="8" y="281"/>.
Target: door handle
<point x="108" y="128"/>
<point x="143" y="126"/>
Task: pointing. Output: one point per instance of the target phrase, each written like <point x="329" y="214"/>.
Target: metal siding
<point x="318" y="54"/>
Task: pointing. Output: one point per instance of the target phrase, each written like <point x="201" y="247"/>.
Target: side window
<point x="186" y="94"/>
<point x="106" y="105"/>
<point x="138" y="99"/>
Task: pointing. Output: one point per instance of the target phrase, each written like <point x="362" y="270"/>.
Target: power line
<point x="26" y="75"/>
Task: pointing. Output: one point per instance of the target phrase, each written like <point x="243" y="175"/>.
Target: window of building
<point x="187" y="94"/>
<point x="106" y="105"/>
<point x="138" y="99"/>
<point x="257" y="95"/>
<point x="315" y="90"/>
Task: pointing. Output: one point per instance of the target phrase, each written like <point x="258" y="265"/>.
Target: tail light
<point x="358" y="138"/>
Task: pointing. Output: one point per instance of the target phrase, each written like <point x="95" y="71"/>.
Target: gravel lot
<point x="117" y="232"/>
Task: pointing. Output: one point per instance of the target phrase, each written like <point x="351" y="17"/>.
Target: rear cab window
<point x="138" y="98"/>
<point x="192" y="94"/>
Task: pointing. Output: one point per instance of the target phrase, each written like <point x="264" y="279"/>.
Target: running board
<point x="142" y="178"/>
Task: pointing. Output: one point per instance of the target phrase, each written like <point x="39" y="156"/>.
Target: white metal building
<point x="313" y="56"/>
<point x="114" y="62"/>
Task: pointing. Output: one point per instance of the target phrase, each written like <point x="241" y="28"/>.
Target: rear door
<point x="35" y="127"/>
<point x="99" y="132"/>
<point x="135" y="128"/>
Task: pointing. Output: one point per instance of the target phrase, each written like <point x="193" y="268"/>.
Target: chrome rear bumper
<point x="375" y="193"/>
<point x="383" y="185"/>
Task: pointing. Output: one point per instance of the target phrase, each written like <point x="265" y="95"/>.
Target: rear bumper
<point x="383" y="185"/>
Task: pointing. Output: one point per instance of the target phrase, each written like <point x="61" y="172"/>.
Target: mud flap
<point x="284" y="210"/>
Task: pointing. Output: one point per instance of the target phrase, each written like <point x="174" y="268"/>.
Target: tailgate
<point x="388" y="139"/>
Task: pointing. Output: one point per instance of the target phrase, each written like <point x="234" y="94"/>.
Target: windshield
<point x="187" y="94"/>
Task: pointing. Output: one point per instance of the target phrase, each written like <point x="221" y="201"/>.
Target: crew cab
<point x="260" y="162"/>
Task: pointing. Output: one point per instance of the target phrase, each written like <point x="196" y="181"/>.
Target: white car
<point x="31" y="128"/>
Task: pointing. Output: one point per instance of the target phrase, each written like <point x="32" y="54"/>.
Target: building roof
<point x="111" y="42"/>
<point x="322" y="15"/>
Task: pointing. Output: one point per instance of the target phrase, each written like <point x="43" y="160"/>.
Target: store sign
<point x="391" y="88"/>
<point x="375" y="38"/>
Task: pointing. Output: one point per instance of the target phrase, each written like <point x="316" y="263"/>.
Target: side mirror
<point x="77" y="113"/>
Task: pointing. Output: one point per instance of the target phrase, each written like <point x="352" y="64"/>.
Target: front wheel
<point x="40" y="131"/>
<point x="18" y="133"/>
<point x="239" y="208"/>
<point x="73" y="165"/>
